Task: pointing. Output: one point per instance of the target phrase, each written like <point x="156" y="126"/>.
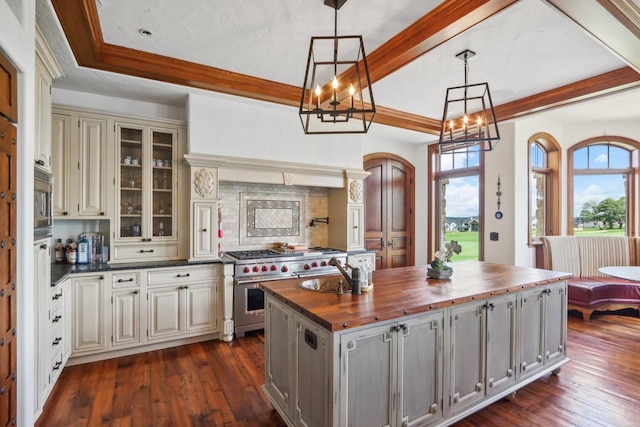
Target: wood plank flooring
<point x="218" y="384"/>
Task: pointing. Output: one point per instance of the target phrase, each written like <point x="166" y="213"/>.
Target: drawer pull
<point x="57" y="296"/>
<point x="43" y="246"/>
<point x="57" y="340"/>
<point x="183" y="275"/>
<point x="56" y="319"/>
<point x="125" y="280"/>
<point x="40" y="162"/>
<point x="184" y="287"/>
<point x="57" y="366"/>
<point x="142" y="251"/>
<point x="147" y="239"/>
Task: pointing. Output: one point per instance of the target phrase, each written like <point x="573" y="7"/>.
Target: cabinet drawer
<point x="181" y="275"/>
<point x="125" y="279"/>
<point x="56" y="297"/>
<point x="134" y="253"/>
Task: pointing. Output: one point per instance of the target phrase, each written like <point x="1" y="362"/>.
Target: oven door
<point x="42" y="204"/>
<point x="248" y="307"/>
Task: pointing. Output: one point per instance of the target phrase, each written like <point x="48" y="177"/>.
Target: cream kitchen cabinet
<point x="204" y="230"/>
<point x="80" y="159"/>
<point x="147" y="200"/>
<point x="543" y="319"/>
<point x="89" y="320"/>
<point x="346" y="213"/>
<point x="53" y="324"/>
<point x="46" y="70"/>
<point x="278" y="351"/>
<point x="182" y="302"/>
<point x="125" y="309"/>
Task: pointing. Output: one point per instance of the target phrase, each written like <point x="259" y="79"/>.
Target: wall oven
<point x="42" y="204"/>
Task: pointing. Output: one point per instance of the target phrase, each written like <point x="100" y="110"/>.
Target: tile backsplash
<point x="256" y="216"/>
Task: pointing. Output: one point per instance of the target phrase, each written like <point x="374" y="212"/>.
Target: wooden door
<point x="8" y="269"/>
<point x="389" y="202"/>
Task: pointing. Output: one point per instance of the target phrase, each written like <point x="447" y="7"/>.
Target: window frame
<point x="434" y="176"/>
<point x="632" y="172"/>
<point x="552" y="213"/>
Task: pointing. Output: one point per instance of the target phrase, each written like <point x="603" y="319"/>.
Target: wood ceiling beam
<point x="615" y="23"/>
<point x="591" y="88"/>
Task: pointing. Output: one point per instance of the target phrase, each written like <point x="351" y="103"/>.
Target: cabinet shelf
<point x="130" y="165"/>
<point x="162" y="215"/>
<point x="161" y="145"/>
<point x="162" y="190"/>
<point x="130" y="188"/>
<point x="130" y="141"/>
<point x="130" y="215"/>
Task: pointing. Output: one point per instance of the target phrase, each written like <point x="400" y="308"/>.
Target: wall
<point x="230" y="197"/>
<point x="17" y="41"/>
<point x="112" y="104"/>
<point x="230" y="126"/>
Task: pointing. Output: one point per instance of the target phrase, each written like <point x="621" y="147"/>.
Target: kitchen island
<point x="414" y="351"/>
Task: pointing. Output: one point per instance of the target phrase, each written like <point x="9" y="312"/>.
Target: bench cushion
<point x="590" y="292"/>
<point x="562" y="254"/>
<point x="602" y="251"/>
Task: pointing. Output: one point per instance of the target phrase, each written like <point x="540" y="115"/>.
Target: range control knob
<point x="246" y="270"/>
<point x="323" y="264"/>
<point x="274" y="267"/>
<point x="256" y="269"/>
<point x="284" y="269"/>
<point x="307" y="267"/>
<point x="314" y="264"/>
<point x="265" y="268"/>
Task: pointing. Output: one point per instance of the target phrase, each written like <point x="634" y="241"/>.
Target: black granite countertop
<point x="59" y="272"/>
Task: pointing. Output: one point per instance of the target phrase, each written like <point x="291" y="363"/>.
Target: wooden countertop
<point x="405" y="291"/>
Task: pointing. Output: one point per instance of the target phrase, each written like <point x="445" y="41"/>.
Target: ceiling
<point x="535" y="57"/>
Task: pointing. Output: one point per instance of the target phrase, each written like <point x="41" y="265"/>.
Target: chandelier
<point x="336" y="95"/>
<point x="469" y="119"/>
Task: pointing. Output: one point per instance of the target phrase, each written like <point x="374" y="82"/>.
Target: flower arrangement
<point x="443" y="256"/>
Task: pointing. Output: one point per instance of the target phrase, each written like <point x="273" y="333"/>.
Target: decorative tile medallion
<point x="267" y="218"/>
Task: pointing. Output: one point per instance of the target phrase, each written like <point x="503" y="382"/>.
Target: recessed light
<point x="145" y="32"/>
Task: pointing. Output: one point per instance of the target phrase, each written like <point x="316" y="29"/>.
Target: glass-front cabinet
<point x="147" y="195"/>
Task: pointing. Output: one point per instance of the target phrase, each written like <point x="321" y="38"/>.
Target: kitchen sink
<point x="324" y="284"/>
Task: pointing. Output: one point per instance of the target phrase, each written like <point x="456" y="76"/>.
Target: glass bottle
<point x="165" y="180"/>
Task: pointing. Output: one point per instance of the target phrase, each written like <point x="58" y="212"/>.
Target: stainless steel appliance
<point x="42" y="204"/>
<point x="253" y="267"/>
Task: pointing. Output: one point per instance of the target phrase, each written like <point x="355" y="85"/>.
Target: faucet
<point x="333" y="261"/>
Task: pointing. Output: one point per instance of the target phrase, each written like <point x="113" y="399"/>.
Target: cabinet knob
<point x="65" y="213"/>
<point x="355" y="226"/>
<point x="204" y="230"/>
<point x="101" y="277"/>
<point x="136" y="292"/>
<point x="102" y="213"/>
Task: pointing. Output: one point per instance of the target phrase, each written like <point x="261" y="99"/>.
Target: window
<point x="544" y="187"/>
<point x="603" y="186"/>
<point x="455" y="208"/>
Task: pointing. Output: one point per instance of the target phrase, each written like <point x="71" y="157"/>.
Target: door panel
<point x="389" y="212"/>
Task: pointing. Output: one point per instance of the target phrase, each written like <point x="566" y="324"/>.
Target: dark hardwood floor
<point x="218" y="384"/>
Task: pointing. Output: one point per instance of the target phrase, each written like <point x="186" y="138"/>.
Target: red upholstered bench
<point x="590" y="290"/>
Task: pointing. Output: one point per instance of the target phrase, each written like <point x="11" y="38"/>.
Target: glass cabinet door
<point x="163" y="149"/>
<point x="132" y="159"/>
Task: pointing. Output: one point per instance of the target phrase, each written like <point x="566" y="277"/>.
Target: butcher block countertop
<point x="407" y="291"/>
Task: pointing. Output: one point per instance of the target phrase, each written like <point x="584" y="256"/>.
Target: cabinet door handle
<point x="43" y="246"/>
<point x="125" y="280"/>
<point x="390" y="244"/>
<point x="183" y="275"/>
<point x="56" y="319"/>
<point x="142" y="251"/>
<point x="40" y="162"/>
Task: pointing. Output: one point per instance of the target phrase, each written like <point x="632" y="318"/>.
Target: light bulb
<point x="318" y="91"/>
<point x="334" y="83"/>
<point x="352" y="90"/>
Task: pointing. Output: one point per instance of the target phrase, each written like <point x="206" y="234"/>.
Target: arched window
<point x="544" y="187"/>
<point x="456" y="203"/>
<point x="603" y="186"/>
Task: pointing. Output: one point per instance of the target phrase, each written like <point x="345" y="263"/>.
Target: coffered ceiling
<point x="536" y="55"/>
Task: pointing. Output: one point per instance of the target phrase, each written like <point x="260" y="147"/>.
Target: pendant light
<point x="336" y="95"/>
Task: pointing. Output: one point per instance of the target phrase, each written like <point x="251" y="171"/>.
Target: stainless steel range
<point x="253" y="267"/>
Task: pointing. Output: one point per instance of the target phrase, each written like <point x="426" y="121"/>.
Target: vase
<point x="439" y="274"/>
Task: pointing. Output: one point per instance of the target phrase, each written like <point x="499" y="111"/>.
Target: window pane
<point x="538" y="155"/>
<point x="598" y="157"/>
<point x="460" y="202"/>
<point x="619" y="158"/>
<point x="538" y="204"/>
<point x="460" y="159"/>
<point x="599" y="204"/>
<point x="446" y="162"/>
<point x="474" y="157"/>
<point x="580" y="158"/>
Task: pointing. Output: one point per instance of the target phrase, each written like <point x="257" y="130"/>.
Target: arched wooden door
<point x="389" y="204"/>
